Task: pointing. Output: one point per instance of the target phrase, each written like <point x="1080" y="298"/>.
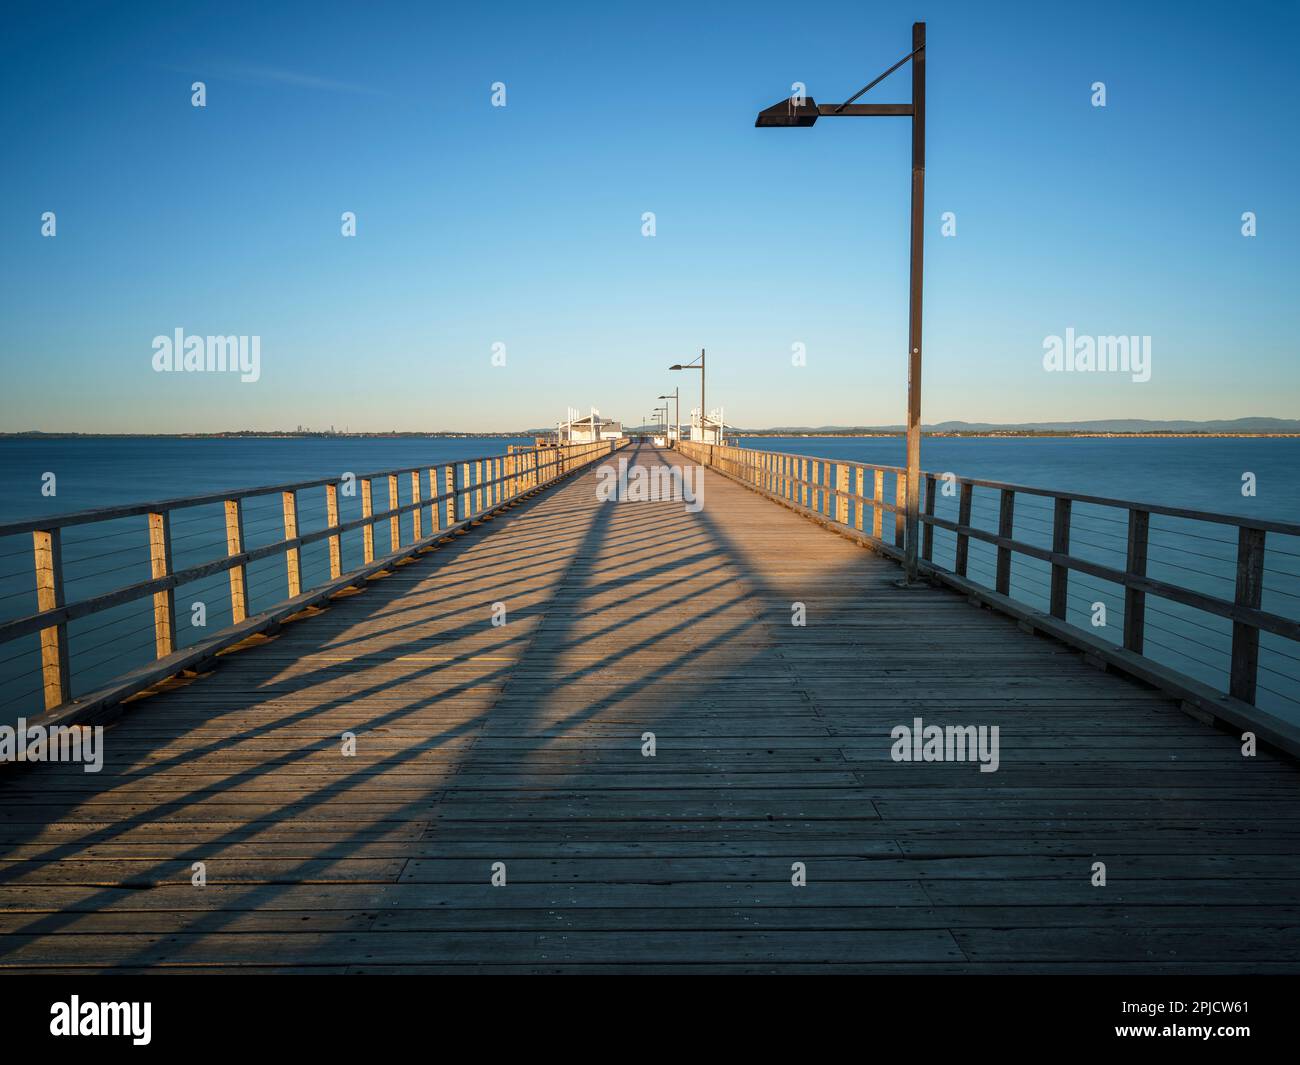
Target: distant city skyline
<point x="499" y="273"/>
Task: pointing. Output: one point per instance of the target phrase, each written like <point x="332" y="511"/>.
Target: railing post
<point x="963" y="519"/>
<point x="238" y="574"/>
<point x="859" y="494"/>
<point x="367" y="530"/>
<point x="842" y="494"/>
<point x="927" y="532"/>
<point x="292" y="560"/>
<point x="1250" y="592"/>
<point x="417" y="523"/>
<point x="394" y="522"/>
<point x="900" y="509"/>
<point x="449" y="478"/>
<point x="1060" y="546"/>
<point x="464" y="484"/>
<point x="55" y="680"/>
<point x="878" y="506"/>
<point x="332" y="521"/>
<point x="478" y="486"/>
<point x="164" y="602"/>
<point x="435" y="508"/>
<point x="1135" y="600"/>
<point x="1006" y="529"/>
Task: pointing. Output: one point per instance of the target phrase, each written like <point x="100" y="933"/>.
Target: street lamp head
<point x="794" y="111"/>
<point x="676" y="366"/>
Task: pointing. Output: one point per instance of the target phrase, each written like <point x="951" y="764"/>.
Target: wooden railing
<point x="1039" y="543"/>
<point x="458" y="493"/>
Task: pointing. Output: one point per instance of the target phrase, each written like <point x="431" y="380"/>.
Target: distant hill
<point x="1105" y="425"/>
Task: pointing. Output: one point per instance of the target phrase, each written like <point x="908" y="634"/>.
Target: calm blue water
<point x="1200" y="474"/>
<point x="101" y="473"/>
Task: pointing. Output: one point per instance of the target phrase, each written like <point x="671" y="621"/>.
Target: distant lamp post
<point x="692" y="366"/>
<point x="804" y="111"/>
<point x="677" y="412"/>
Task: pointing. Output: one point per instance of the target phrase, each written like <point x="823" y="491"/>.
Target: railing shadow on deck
<point x="175" y="868"/>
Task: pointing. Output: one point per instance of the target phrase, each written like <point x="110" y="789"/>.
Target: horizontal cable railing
<point x="240" y="556"/>
<point x="1203" y="604"/>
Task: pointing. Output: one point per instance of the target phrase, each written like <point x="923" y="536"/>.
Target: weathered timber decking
<point x="522" y="744"/>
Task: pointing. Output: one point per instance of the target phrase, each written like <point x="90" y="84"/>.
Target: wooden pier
<point x="519" y="751"/>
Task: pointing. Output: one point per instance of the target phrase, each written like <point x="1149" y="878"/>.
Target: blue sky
<point x="522" y="224"/>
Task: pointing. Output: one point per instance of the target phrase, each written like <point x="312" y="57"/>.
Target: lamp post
<point x="691" y="366"/>
<point x="677" y="411"/>
<point x="804" y="111"/>
<point x="664" y="421"/>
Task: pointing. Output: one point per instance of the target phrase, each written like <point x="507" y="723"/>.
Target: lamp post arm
<point x="872" y="84"/>
<point x="864" y="110"/>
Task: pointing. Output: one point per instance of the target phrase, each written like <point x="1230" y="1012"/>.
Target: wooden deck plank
<point x="522" y="744"/>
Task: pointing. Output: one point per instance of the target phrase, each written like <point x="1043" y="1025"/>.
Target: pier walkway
<point x="524" y="743"/>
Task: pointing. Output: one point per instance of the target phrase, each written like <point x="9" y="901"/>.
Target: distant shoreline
<point x="266" y="436"/>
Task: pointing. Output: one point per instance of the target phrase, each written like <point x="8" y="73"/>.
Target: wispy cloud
<point x="278" y="76"/>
